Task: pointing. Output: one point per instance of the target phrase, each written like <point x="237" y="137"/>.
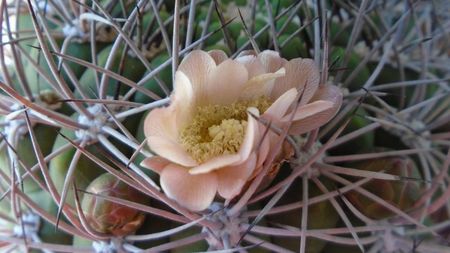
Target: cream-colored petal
<point x="225" y="82"/>
<point x="256" y="172"/>
<point x="233" y="178"/>
<point x="309" y="110"/>
<point x="218" y="55"/>
<point x="155" y="163"/>
<point x="274" y="140"/>
<point x="251" y="134"/>
<point x="261" y="85"/>
<point x="246" y="52"/>
<point x="253" y="65"/>
<point x="216" y="163"/>
<point x="310" y="116"/>
<point x="271" y="60"/>
<point x="160" y="129"/>
<point x="269" y="145"/>
<point x="182" y="100"/>
<point x="171" y="150"/>
<point x="302" y="74"/>
<point x="195" y="192"/>
<point x="197" y="66"/>
<point x="167" y="121"/>
<point x="161" y="122"/>
<point x="280" y="107"/>
<point x="329" y="93"/>
<point x="263" y="147"/>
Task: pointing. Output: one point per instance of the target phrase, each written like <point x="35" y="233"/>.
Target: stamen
<point x="218" y="129"/>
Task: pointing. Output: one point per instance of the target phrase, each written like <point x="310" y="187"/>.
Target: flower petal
<point x="300" y="74"/>
<point x="197" y="66"/>
<point x="261" y="85"/>
<point x="171" y="150"/>
<point x="279" y="108"/>
<point x="264" y="146"/>
<point x="271" y="60"/>
<point x="233" y="178"/>
<point x="274" y="142"/>
<point x="253" y="65"/>
<point x="215" y="164"/>
<point x="161" y="131"/>
<point x="183" y="100"/>
<point x="218" y="55"/>
<point x="309" y="110"/>
<point x="310" y="116"/>
<point x="251" y="134"/>
<point x="155" y="163"/>
<point x="161" y="122"/>
<point x="225" y="82"/>
<point x="195" y="192"/>
<point x="246" y="52"/>
<point x="329" y="93"/>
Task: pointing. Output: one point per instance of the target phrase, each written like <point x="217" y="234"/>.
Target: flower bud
<point x="401" y="194"/>
<point x="106" y="216"/>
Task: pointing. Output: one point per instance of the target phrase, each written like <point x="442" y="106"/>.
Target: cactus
<point x="111" y="128"/>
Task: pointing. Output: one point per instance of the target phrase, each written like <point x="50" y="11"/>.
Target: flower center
<point x="218" y="129"/>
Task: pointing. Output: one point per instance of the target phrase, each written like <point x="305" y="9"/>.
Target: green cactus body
<point x="338" y="54"/>
<point x="237" y="2"/>
<point x="149" y="16"/>
<point x="152" y="85"/>
<point x="235" y="29"/>
<point x="390" y="74"/>
<point x="194" y="247"/>
<point x="290" y="28"/>
<point x="361" y="144"/>
<point x="86" y="170"/>
<point x="81" y="242"/>
<point x="25" y="29"/>
<point x="339" y="35"/>
<point x="276" y="5"/>
<point x="214" y="38"/>
<point x="293" y="48"/>
<point x="241" y="40"/>
<point x="47" y="231"/>
<point x="45" y="136"/>
<point x="333" y="248"/>
<point x="264" y="38"/>
<point x="76" y="49"/>
<point x="133" y="69"/>
<point x="118" y="10"/>
<point x="140" y="137"/>
<point x="316" y="218"/>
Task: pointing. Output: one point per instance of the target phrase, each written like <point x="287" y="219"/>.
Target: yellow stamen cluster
<point x="218" y="129"/>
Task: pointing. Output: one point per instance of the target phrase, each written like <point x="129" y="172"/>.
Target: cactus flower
<point x="209" y="140"/>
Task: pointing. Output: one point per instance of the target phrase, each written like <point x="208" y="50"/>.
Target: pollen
<point x="218" y="129"/>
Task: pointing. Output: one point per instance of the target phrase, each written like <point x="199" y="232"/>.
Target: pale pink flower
<point x="207" y="142"/>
